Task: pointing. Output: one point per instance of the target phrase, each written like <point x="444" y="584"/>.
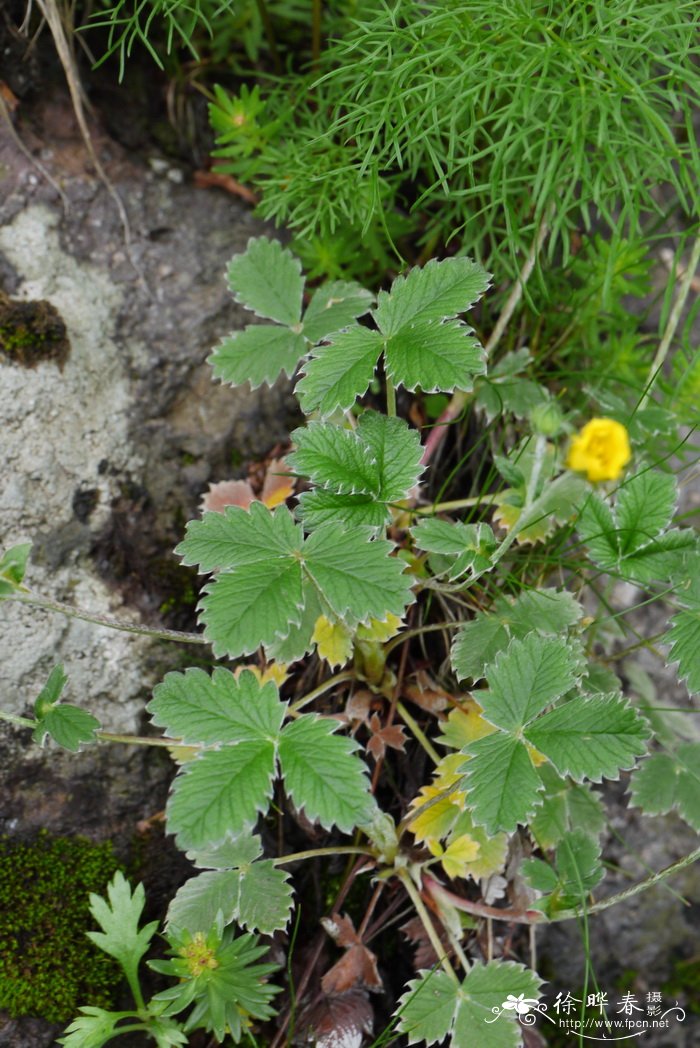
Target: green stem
<point x="339" y="678"/>
<point x="143" y="740"/>
<point x="534" y="917"/>
<point x="418" y="732"/>
<point x="102" y="620"/>
<point x="23" y="722"/>
<point x="390" y="397"/>
<point x="673" y="321"/>
<point x="444" y="507"/>
<point x="414" y="894"/>
<point x="316" y="853"/>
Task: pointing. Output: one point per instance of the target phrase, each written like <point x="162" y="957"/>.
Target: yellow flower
<point x="601" y="450"/>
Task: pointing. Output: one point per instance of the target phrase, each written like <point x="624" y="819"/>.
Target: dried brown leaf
<point x="278" y="485"/>
<point x="392" y="736"/>
<point x="228" y="493"/>
<point x="337" y="1020"/>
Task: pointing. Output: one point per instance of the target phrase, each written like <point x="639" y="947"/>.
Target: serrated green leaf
<point x="664" y="782"/>
<point x="514" y="394"/>
<point x="438" y="290"/>
<point x="565" y="806"/>
<point x="578" y="865"/>
<point x="340" y="372"/>
<point x="503" y="786"/>
<point x="267" y="279"/>
<point x="590" y="738"/>
<point x="258" y="897"/>
<point x="68" y="726"/>
<point x="51" y="693"/>
<point x="258" y="354"/>
<point x="432" y="356"/>
<point x="221" y="792"/>
<point x="299" y="641"/>
<point x="469" y="546"/>
<point x="254" y="604"/>
<point x="598" y="532"/>
<point x="94" y="1027"/>
<point x="661" y="558"/>
<point x="473" y="1012"/>
<point x="322" y="774"/>
<point x="546" y="611"/>
<point x="525" y="678"/>
<point x="13" y="565"/>
<point x="396" y="450"/>
<point x="356" y="511"/>
<point x="355" y="574"/>
<point x="118" y="916"/>
<point x="238" y="536"/>
<point x="684" y="640"/>
<point x="644" y="508"/>
<point x="227" y="854"/>
<point x="334" y="458"/>
<point x="197" y="708"/>
<point x="333" y="307"/>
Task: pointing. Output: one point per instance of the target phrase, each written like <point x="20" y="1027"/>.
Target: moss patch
<point x="48" y="966"/>
<point x="32" y="332"/>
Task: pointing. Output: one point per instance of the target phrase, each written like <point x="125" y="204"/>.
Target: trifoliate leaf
<point x="576" y="871"/>
<point x="94" y="1027"/>
<point x="432" y="356"/>
<point x="333" y="307"/>
<point x="664" y="782"/>
<point x="197" y="708"/>
<point x="590" y="738"/>
<point x="333" y="641"/>
<point x="267" y="280"/>
<point x="68" y="726"/>
<point x="565" y="806"/>
<point x="477" y="643"/>
<point x="257" y="896"/>
<point x="340" y="372"/>
<point x="257" y="354"/>
<point x="271" y="574"/>
<point x="438" y="290"/>
<point x="471" y="1013"/>
<point x="118" y="916"/>
<point x="503" y="786"/>
<point x="468" y="546"/>
<point x="13" y="565"/>
<point x="322" y="774"/>
<point x="221" y="792"/>
<point x="526" y="678"/>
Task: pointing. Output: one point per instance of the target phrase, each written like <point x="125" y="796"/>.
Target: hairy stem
<point x="427" y="923"/>
<point x="339" y="678"/>
<point x="102" y="620"/>
<point x="316" y="853"/>
<point x="418" y="732"/>
<point x="535" y="917"/>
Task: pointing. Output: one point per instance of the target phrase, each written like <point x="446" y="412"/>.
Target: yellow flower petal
<point x="601" y="450"/>
<point x="334" y="641"/>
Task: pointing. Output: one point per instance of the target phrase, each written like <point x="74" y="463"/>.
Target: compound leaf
<point x="94" y="1027"/>
<point x="257" y="896"/>
<point x="664" y="782"/>
<point x="240" y="536"/>
<point x="68" y="726"/>
<point x="267" y="280"/>
<point x="322" y="774"/>
<point x="197" y="708"/>
<point x="590" y="738"/>
<point x="118" y="916"/>
<point x="435" y="1006"/>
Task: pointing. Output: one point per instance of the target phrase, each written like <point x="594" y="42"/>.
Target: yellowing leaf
<point x="492" y="848"/>
<point x="379" y="631"/>
<point x="437" y="820"/>
<point x="465" y="724"/>
<point x="334" y="641"/>
<point x="536" y="757"/>
<point x="278" y="485"/>
<point x="182" y="754"/>
<point x="460" y="852"/>
<point x="447" y="773"/>
<point x="274" y="671"/>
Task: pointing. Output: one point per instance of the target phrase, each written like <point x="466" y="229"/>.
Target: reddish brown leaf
<point x="427" y="693"/>
<point x="337" y="1020"/>
<point x="358" y="705"/>
<point x="393" y="736"/>
<point x="228" y="493"/>
<point x="207" y="179"/>
<point x="357" y="967"/>
<point x="425" y="956"/>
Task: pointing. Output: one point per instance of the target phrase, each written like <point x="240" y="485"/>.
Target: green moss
<point x="48" y="966"/>
<point x="31" y="332"/>
<point x="685" y="984"/>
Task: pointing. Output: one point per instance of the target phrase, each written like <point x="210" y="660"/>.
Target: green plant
<point x="369" y="565"/>
<point x="47" y="967"/>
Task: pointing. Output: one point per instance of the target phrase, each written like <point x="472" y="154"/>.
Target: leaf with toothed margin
<point x="340" y="372"/>
<point x="258" y="354"/>
<point x="266" y="279"/>
<point x="334" y="306"/>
